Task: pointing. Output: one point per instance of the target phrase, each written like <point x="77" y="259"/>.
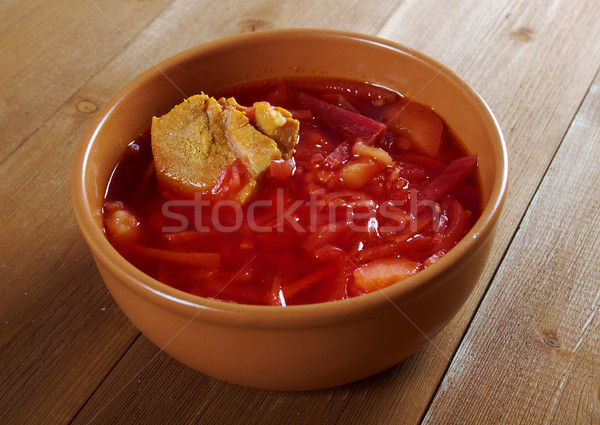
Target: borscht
<point x="291" y="191"/>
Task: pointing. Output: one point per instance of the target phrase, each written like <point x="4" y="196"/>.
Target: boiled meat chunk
<point x="202" y="136"/>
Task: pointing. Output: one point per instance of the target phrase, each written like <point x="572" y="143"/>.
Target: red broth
<point x="378" y="189"/>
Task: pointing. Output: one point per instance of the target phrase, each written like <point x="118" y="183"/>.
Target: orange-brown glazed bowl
<point x="307" y="346"/>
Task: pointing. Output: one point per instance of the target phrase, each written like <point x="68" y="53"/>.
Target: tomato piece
<point x="282" y="169"/>
<point x="358" y="125"/>
<point x="419" y="123"/>
<point x="383" y="272"/>
<point x="231" y="180"/>
<point x="451" y="177"/>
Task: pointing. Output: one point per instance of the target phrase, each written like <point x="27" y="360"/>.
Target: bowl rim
<point x="214" y="310"/>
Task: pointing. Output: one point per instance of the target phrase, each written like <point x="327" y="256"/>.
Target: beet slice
<point x="451" y="177"/>
<point x="358" y="125"/>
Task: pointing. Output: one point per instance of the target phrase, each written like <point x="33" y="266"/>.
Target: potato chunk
<point x="121" y="224"/>
<point x="383" y="272"/>
<point x="254" y="148"/>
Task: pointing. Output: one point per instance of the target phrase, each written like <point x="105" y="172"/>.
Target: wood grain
<point x="50" y="49"/>
<point x="532" y="353"/>
<point x="67" y="352"/>
<point x="517" y="77"/>
<point x="61" y="331"/>
<point x="394" y="397"/>
<point x="58" y="324"/>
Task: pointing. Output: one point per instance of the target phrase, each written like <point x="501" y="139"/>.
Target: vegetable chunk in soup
<point x="315" y="190"/>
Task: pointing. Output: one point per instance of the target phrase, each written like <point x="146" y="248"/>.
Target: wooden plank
<point x="497" y="49"/>
<point x="48" y="382"/>
<point x="61" y="331"/>
<point x="183" y="396"/>
<point x="521" y="102"/>
<point x="532" y="353"/>
<point x="148" y="384"/>
<point x="51" y="48"/>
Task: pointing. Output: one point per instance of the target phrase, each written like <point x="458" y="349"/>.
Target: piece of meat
<point x="200" y="137"/>
<point x="278" y="124"/>
<point x="231" y="103"/>
<point x="250" y="145"/>
<point x="190" y="148"/>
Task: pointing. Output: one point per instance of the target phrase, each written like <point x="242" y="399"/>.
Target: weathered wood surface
<point x="524" y="349"/>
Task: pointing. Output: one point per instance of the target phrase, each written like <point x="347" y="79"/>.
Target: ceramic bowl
<point x="308" y="346"/>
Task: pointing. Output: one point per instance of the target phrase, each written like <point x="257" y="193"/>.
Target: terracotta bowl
<point x="297" y="347"/>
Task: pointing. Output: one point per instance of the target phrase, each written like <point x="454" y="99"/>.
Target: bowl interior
<point x="288" y="53"/>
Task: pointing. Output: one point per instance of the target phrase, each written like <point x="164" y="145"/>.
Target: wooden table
<point x="524" y="349"/>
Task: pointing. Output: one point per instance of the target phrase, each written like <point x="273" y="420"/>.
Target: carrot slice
<point x="307" y="281"/>
<point x="194" y="259"/>
<point x="381" y="273"/>
<point x="177" y="239"/>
